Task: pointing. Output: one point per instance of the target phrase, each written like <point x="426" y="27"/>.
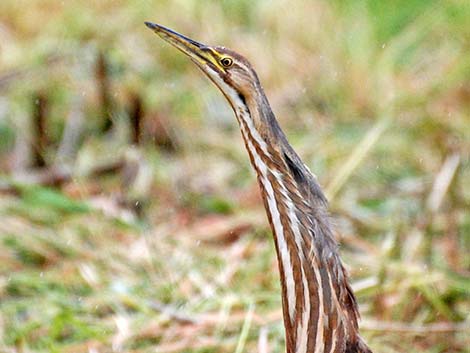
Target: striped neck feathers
<point x="320" y="310"/>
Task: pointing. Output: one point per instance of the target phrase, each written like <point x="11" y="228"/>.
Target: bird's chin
<point x="208" y="69"/>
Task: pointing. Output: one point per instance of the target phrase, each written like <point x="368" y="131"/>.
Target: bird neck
<point x="319" y="307"/>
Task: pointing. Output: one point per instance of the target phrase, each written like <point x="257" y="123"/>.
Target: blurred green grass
<point x="75" y="277"/>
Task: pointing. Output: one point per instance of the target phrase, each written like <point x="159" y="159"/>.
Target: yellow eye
<point x="226" y="62"/>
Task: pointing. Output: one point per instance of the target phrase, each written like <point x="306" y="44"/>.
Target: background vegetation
<point x="163" y="245"/>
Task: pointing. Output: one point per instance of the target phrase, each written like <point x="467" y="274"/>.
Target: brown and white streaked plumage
<point x="320" y="310"/>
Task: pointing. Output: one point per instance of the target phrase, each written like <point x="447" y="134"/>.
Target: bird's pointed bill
<point x="200" y="53"/>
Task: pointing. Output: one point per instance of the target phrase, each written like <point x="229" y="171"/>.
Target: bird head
<point x="230" y="71"/>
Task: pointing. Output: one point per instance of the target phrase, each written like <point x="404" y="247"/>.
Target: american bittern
<point x="319" y="307"/>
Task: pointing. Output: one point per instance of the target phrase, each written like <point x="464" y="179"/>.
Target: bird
<point x="319" y="307"/>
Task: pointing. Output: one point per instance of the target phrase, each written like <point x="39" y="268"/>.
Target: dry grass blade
<point x="442" y="182"/>
<point x="263" y="345"/>
<point x="356" y="157"/>
<point x="245" y="329"/>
